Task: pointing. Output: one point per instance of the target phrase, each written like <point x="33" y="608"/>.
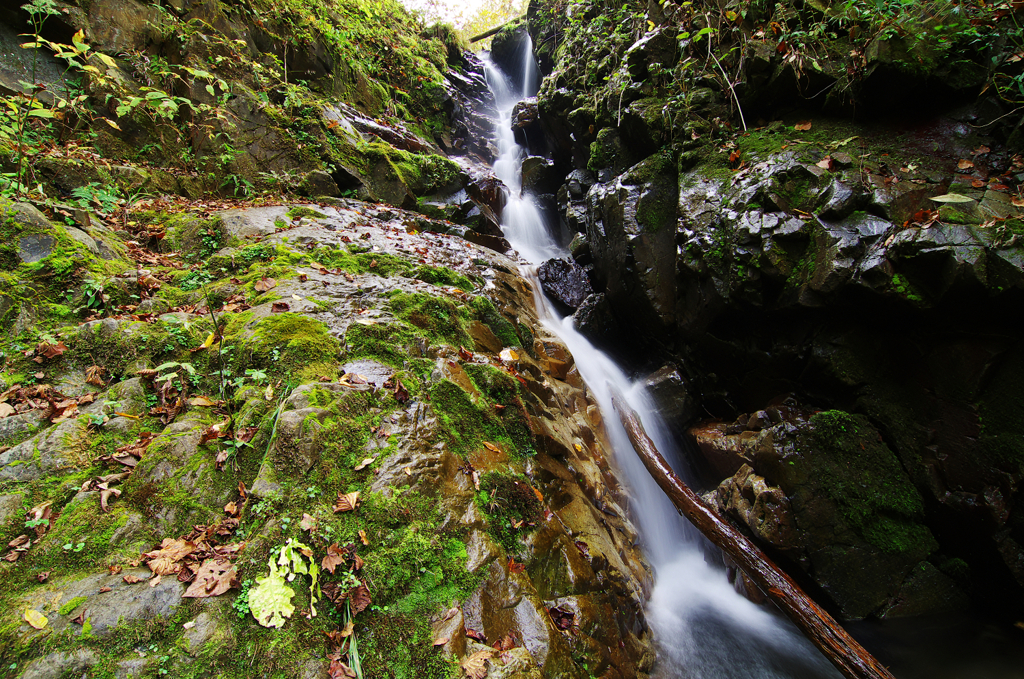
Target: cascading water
<point x="704" y="628"/>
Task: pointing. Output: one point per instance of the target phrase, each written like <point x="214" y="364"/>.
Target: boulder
<point x="564" y="282"/>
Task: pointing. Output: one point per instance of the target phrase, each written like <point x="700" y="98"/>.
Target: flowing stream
<point x="704" y="628"/>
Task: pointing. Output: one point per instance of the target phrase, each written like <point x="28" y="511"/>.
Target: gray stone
<point x="61" y="664"/>
<point x="35" y="248"/>
<point x="133" y="668"/>
<point x="319" y="183"/>
<point x="43" y="454"/>
<point x="11" y="509"/>
<point x="104" y="611"/>
<point x="196" y="636"/>
<point x="564" y="282"/>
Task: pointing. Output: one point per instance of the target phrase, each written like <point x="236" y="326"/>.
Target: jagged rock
<point x="668" y="388"/>
<point x="564" y="282"/>
<point x="826" y="491"/>
<point x="595" y="321"/>
<point x="539" y="175"/>
<point x="318" y="183"/>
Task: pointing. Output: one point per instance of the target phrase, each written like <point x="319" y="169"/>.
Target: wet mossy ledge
<point x="355" y="357"/>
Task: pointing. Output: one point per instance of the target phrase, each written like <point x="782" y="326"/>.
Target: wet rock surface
<point x="564" y="282"/>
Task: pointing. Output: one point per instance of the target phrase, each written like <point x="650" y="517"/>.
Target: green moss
<point x="486" y="313"/>
<point x="72" y="605"/>
<point x="511" y="507"/>
<point x="296" y="213"/>
<point x="384" y="342"/>
<point x="439" y="318"/>
<point x="298" y="340"/>
<point x="865" y="480"/>
<point x="442" y="276"/>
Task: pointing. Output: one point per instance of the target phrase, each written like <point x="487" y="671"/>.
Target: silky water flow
<point x="703" y="627"/>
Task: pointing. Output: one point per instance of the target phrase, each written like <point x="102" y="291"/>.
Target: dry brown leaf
<point x="202" y="401"/>
<point x="104" y="590"/>
<point x="153" y="582"/>
<point x="307" y="522"/>
<point x="363" y="538"/>
<point x="264" y="284"/>
<point x="6" y="410"/>
<point x="491" y="447"/>
<point x="279" y="307"/>
<point x="441" y="641"/>
<point x="215" y="577"/>
<point x="802" y="126"/>
<point x="335" y="557"/>
<point x="43" y="577"/>
<point x="359" y="599"/>
<point x="347" y="630"/>
<point x="346" y="502"/>
<point x="80" y="618"/>
<point x="131" y="579"/>
<point x="475" y="666"/>
<point x="231" y="508"/>
<point x="965" y="164"/>
<point x="94" y="375"/>
<point x="364" y="464"/>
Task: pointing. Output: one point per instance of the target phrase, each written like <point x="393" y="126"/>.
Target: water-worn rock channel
<point x="367" y="431"/>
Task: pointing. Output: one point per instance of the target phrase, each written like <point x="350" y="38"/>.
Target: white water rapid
<point x="704" y="628"/>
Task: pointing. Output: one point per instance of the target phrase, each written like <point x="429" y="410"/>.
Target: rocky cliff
<point x="823" y="265"/>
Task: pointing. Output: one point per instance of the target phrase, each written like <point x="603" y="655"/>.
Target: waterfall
<point x="704" y="628"/>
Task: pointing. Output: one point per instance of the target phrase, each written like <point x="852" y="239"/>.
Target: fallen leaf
<point x="105" y="496"/>
<point x="951" y="198"/>
<point x="307" y="522"/>
<point x="359" y="599"/>
<point x="981" y="150"/>
<point x="94" y="375"/>
<point x="231" y="508"/>
<point x="965" y="164"/>
<point x="270" y="601"/>
<point x="215" y="577"/>
<point x="104" y="590"/>
<point x="826" y="163"/>
<point x="42" y="577"/>
<point x="346" y="502"/>
<point x="348" y="629"/>
<point x="475" y="666"/>
<point x="362" y="537"/>
<point x="201" y="401"/>
<point x="335" y="557"/>
<point x="514" y="567"/>
<point x="476" y="636"/>
<point x="50" y="350"/>
<point x="6" y="410"/>
<point x="508" y="355"/>
<point x="35" y="618"/>
<point x="153" y="582"/>
<point x="977" y="183"/>
<point x="80" y="618"/>
<point x="264" y="284"/>
<point x="279" y="307"/>
<point x="190" y="624"/>
<point x="364" y="464"/>
<point x="491" y="447"/>
<point x="441" y="641"/>
<point x="802" y="126"/>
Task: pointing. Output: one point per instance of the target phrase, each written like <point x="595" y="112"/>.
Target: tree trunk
<point x="496" y="29"/>
<point x="838" y="646"/>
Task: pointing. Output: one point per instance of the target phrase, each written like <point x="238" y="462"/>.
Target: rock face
<point x="826" y="492"/>
<point x="486" y="510"/>
<point x="864" y="267"/>
<point x="564" y="282"/>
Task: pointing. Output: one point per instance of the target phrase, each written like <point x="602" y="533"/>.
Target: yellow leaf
<point x="35" y="618"/>
<point x="508" y="355"/>
<point x="578" y="447"/>
<point x="475" y="665"/>
<point x="209" y="341"/>
<point x="201" y="401"/>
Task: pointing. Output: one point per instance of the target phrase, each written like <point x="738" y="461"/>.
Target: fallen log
<point x="839" y="647"/>
<point x="496" y="29"/>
